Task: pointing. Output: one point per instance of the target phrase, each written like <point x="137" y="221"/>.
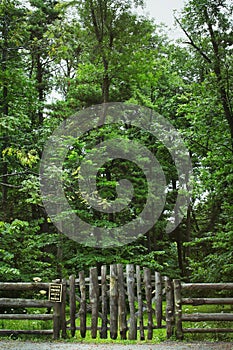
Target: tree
<point x="112" y="35"/>
<point x="12" y="39"/>
<point x="42" y="15"/>
<point x="21" y="211"/>
<point x="207" y="106"/>
<point x="207" y="25"/>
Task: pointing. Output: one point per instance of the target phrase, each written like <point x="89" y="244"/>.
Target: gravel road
<point x="19" y="345"/>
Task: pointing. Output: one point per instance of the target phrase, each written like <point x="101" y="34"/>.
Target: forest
<point x="59" y="57"/>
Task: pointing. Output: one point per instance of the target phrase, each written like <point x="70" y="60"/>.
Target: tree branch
<point x="192" y="43"/>
<point x="8" y="185"/>
<point x="20" y="173"/>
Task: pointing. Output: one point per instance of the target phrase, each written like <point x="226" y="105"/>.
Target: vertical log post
<point x="63" y="309"/>
<point x="82" y="309"/>
<point x="56" y="321"/>
<point x="131" y="298"/>
<point x="178" y="309"/>
<point x="104" y="325"/>
<point x="72" y="305"/>
<point x="113" y="302"/>
<point x="140" y="304"/>
<point x="148" y="289"/>
<point x="94" y="296"/>
<point x="121" y="302"/>
<point x="158" y="299"/>
<point x="169" y="307"/>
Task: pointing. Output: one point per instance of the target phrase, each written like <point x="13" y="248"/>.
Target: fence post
<point x="178" y="309"/>
<point x="82" y="308"/>
<point x="56" y="320"/>
<point x="140" y="304"/>
<point x="169" y="306"/>
<point x="104" y="326"/>
<point x="131" y="299"/>
<point x="113" y="302"/>
<point x="94" y="296"/>
<point x="121" y="302"/>
<point x="148" y="289"/>
<point x="158" y="299"/>
<point x="63" y="310"/>
<point x="72" y="305"/>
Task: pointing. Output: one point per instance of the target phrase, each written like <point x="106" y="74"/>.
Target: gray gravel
<point x="19" y="345"/>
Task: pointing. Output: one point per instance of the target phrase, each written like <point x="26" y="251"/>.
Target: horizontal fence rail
<point x="180" y="317"/>
<point x="17" y="303"/>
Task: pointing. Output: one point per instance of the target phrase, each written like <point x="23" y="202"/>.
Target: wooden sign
<point x="55" y="292"/>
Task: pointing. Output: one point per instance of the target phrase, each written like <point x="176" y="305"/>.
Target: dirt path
<point x="18" y="345"/>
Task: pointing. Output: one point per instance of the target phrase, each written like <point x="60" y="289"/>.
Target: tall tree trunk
<point x="106" y="82"/>
<point x="5" y="111"/>
<point x="179" y="245"/>
<point x="220" y="79"/>
<point x="40" y="87"/>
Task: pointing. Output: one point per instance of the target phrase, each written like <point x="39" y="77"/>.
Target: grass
<point x="28" y="325"/>
<point x="159" y="335"/>
<point x="208" y="324"/>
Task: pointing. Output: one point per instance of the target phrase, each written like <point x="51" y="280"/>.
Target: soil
<point x="19" y="345"/>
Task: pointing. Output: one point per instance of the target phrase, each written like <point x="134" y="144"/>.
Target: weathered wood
<point x="207" y="330"/>
<point x="56" y="320"/>
<point x="72" y="305"/>
<point x="63" y="309"/>
<point x="122" y="312"/>
<point x="131" y="299"/>
<point x="99" y="328"/>
<point x="113" y="302"/>
<point x="18" y="286"/>
<point x="178" y="308"/>
<point x="158" y="299"/>
<point x="104" y="324"/>
<point x="118" y="304"/>
<point x="94" y="296"/>
<point x="169" y="307"/>
<point x="140" y="304"/>
<point x="209" y="301"/>
<point x="207" y="286"/>
<point x="41" y="317"/>
<point x="148" y="290"/>
<point x="87" y="280"/>
<point x="82" y="309"/>
<point x="9" y="302"/>
<point x="198" y="317"/>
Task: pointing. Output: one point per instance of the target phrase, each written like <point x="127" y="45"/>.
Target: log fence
<point x="120" y="302"/>
<point x="180" y="317"/>
<point x="17" y="303"/>
<point x="123" y="302"/>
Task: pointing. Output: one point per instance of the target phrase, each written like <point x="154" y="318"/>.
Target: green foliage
<point x="23" y="251"/>
<point x="104" y="52"/>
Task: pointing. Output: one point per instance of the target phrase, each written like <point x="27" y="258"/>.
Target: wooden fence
<point x="19" y="303"/>
<point x="122" y="302"/>
<point x="180" y="288"/>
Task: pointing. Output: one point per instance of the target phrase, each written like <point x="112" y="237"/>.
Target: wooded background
<point x="94" y="51"/>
